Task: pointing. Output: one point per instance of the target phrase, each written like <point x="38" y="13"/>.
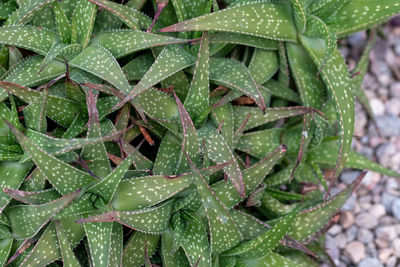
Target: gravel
<point x="368" y="232"/>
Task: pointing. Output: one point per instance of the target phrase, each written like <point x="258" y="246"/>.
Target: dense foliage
<point x="209" y="135"/>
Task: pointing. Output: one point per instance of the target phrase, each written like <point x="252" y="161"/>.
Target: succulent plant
<point x="196" y="138"/>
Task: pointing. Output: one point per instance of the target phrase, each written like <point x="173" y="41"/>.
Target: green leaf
<point x="326" y="8"/>
<point x="260" y="143"/>
<point x="62" y="176"/>
<point x="362" y="14"/>
<point x="23" y="14"/>
<point x="63" y="25"/>
<point x="190" y="142"/>
<point x="35" y="114"/>
<point x="12" y="175"/>
<point x="311" y="89"/>
<point x="35" y="197"/>
<point x="266" y="242"/>
<point x="174" y="57"/>
<point x="278" y="89"/>
<point x="272" y="259"/>
<point x="96" y="153"/>
<point x="311" y="220"/>
<point x="337" y="81"/>
<point x="263" y="65"/>
<point x="257" y="118"/>
<point x="252" y="177"/>
<point x="271" y="206"/>
<point x="235" y="75"/>
<point x="45" y="251"/>
<point x="222" y="116"/>
<point x="299" y="14"/>
<point x="27" y="73"/>
<point x="124" y="42"/>
<point x="106" y="187"/>
<point x="82" y="23"/>
<point x="195" y="243"/>
<point x="37" y="215"/>
<point x="168" y="155"/>
<point x="137" y="67"/>
<point x="271" y="20"/>
<point x="219" y="152"/>
<point x="134" y="251"/>
<point x="99" y="239"/>
<point x="67" y="255"/>
<point x="5" y="248"/>
<point x="197" y="100"/>
<point x="327" y="154"/>
<point x="60" y="50"/>
<point x="151" y="220"/>
<point x="7" y="8"/>
<point x="131" y="17"/>
<point x="243" y="39"/>
<point x="171" y="259"/>
<point x="28" y="37"/>
<point x="100" y="62"/>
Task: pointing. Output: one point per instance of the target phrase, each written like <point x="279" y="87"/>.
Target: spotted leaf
<point x="12" y="175"/>
<point x="278" y="89"/>
<point x="252" y="177"/>
<point x="23" y="14"/>
<point x="270" y="20"/>
<point x="62" y="176"/>
<point x="99" y="239"/>
<point x="337" y="81"/>
<point x="5" y="248"/>
<point x="63" y="25"/>
<point x="219" y="152"/>
<point x="151" y="220"/>
<point x="243" y="39"/>
<point x="60" y="50"/>
<point x="131" y="17"/>
<point x="266" y="242"/>
<point x="235" y="75"/>
<point x="326" y="8"/>
<point x="67" y="255"/>
<point x="37" y="215"/>
<point x="124" y="42"/>
<point x="359" y="15"/>
<point x="28" y="37"/>
<point x="197" y="100"/>
<point x="35" y="197"/>
<point x="134" y="251"/>
<point x="82" y="23"/>
<point x="260" y="143"/>
<point x="263" y="65"/>
<point x="171" y="259"/>
<point x="168" y="155"/>
<point x="272" y="259"/>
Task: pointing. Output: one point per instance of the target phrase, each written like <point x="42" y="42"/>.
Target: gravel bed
<point x="368" y="233"/>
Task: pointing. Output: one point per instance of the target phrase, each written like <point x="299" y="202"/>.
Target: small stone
<point x="365" y="236"/>
<point x="389" y="125"/>
<point x="395" y="89"/>
<point x="349" y="176"/>
<point x="391" y="184"/>
<point x="381" y="243"/>
<point x="340" y="240"/>
<point x="386" y="220"/>
<point x="377" y="106"/>
<point x="351" y="233"/>
<point x="370" y="180"/>
<point x="371" y="250"/>
<point x="355" y="251"/>
<point x="346" y="219"/>
<point x="378" y="210"/>
<point x="396" y="208"/>
<point x="350" y="204"/>
<point x="366" y="220"/>
<point x="335" y="229"/>
<point x="391" y="262"/>
<point x="387" y="233"/>
<point x="370" y="262"/>
<point x="384" y="254"/>
<point x="387" y="201"/>
<point x="331" y="249"/>
<point x="396" y="247"/>
<point x="393" y="106"/>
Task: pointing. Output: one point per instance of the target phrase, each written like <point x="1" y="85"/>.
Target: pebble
<point x="387" y="233"/>
<point x="387" y="201"/>
<point x="366" y="220"/>
<point x="365" y="236"/>
<point x="396" y="247"/>
<point x="391" y="262"/>
<point x="349" y="176"/>
<point x="335" y="229"/>
<point x="395" y="89"/>
<point x="346" y="219"/>
<point x="355" y="251"/>
<point x="384" y="254"/>
<point x="389" y="125"/>
<point x="377" y="106"/>
<point x="340" y="240"/>
<point x="393" y="106"/>
<point x="351" y="233"/>
<point x="370" y="262"/>
<point x="378" y="210"/>
<point x="396" y="208"/>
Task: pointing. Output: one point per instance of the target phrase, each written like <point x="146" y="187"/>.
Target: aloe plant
<point x="128" y="140"/>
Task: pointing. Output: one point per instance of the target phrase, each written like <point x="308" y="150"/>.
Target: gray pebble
<point x="349" y="176"/>
<point x="370" y="262"/>
<point x="389" y="125"/>
<point x="396" y="208"/>
<point x="387" y="201"/>
<point x="366" y="220"/>
<point x="365" y="236"/>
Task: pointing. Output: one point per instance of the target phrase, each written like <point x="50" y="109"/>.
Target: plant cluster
<point x="202" y="137"/>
